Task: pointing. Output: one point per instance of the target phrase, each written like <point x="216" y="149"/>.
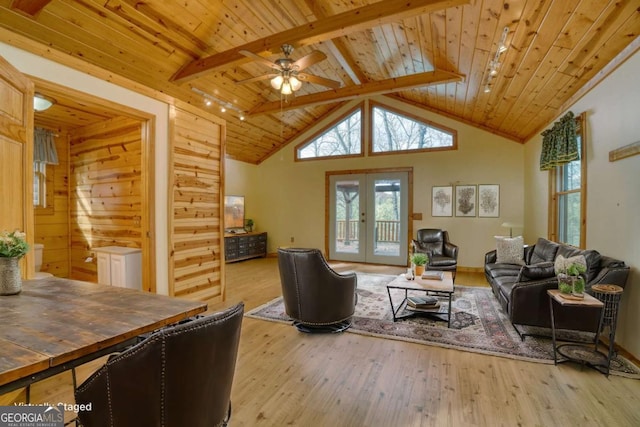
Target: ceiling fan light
<point x="276" y="82"/>
<point x="286" y="88"/>
<point x="295" y="83"/>
<point x="41" y="103"/>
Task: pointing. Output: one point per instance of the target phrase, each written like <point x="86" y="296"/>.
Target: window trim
<point x="332" y="124"/>
<point x="554" y="175"/>
<point x="402" y="113"/>
<point x="46" y="189"/>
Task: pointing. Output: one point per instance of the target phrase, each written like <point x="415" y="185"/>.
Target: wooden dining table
<point x="55" y="324"/>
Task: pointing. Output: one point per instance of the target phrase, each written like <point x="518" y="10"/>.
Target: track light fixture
<point x="494" y="64"/>
<point x="224" y="105"/>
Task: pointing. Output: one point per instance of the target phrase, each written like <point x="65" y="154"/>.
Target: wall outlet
<point x="292" y="239"/>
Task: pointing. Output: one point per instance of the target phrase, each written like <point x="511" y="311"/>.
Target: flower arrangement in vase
<point x="13" y="246"/>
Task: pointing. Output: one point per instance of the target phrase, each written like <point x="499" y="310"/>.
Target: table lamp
<point x="510" y="226"/>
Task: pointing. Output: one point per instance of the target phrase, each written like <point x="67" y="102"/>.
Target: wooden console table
<point x="238" y="247"/>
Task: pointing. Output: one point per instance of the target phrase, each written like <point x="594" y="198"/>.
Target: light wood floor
<point x="284" y="377"/>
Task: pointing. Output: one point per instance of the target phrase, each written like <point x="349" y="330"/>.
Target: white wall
<point x="290" y="196"/>
<point x="613" y="192"/>
<point x="45" y="69"/>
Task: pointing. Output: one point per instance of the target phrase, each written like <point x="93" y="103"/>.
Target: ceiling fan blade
<point x="256" y="79"/>
<point x="259" y="58"/>
<point x="319" y="80"/>
<point x="308" y="60"/>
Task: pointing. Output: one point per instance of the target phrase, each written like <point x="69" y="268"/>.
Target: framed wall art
<point x="442" y="201"/>
<point x="489" y="200"/>
<point x="466" y="200"/>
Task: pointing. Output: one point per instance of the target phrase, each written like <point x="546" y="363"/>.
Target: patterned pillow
<point x="561" y="263"/>
<point x="509" y="250"/>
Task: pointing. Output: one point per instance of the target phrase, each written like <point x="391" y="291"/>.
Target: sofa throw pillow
<point x="561" y="263"/>
<point x="543" y="270"/>
<point x="509" y="250"/>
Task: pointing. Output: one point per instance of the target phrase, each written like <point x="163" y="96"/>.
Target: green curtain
<point x="560" y="143"/>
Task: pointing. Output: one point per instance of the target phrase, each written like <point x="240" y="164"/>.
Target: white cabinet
<point x="119" y="266"/>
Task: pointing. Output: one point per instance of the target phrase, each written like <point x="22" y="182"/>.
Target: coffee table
<point x="439" y="288"/>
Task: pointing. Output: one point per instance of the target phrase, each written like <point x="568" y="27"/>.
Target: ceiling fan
<point x="289" y="75"/>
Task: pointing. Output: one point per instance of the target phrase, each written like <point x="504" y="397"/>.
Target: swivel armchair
<point x="178" y="376"/>
<point x="443" y="255"/>
<point x="316" y="297"/>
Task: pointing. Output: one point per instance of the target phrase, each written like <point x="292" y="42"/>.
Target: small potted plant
<point x="13" y="246"/>
<point x="249" y="225"/>
<point x="419" y="260"/>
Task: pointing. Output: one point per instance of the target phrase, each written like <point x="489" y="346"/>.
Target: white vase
<point x="10" y="280"/>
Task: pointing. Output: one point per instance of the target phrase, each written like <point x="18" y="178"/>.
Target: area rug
<point x="478" y="324"/>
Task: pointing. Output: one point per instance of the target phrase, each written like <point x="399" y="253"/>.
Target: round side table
<point x="610" y="296"/>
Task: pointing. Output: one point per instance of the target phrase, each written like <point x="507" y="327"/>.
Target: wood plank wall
<point x="52" y="223"/>
<point x="105" y="203"/>
<point x="16" y="156"/>
<point x="195" y="207"/>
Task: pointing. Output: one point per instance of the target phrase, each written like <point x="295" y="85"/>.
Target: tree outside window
<point x="340" y="139"/>
<point x="393" y="132"/>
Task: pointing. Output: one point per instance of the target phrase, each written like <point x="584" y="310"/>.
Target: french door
<point x="368" y="217"/>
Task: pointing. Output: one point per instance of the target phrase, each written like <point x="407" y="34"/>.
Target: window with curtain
<point x="567" y="182"/>
<point x="44" y="153"/>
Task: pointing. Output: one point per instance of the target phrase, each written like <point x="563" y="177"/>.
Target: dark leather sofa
<point x="522" y="289"/>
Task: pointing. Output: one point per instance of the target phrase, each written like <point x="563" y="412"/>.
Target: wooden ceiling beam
<point x="29" y="7"/>
<point x="381" y="87"/>
<point x="339" y="50"/>
<point x="328" y="28"/>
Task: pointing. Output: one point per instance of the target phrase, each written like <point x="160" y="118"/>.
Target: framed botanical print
<point x="466" y="200"/>
<point x="489" y="200"/>
<point x="441" y="201"/>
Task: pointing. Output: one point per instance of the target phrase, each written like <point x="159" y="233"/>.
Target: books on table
<point x="433" y="275"/>
<point x="422" y="303"/>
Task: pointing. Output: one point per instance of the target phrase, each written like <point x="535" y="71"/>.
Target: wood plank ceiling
<point x="431" y="53"/>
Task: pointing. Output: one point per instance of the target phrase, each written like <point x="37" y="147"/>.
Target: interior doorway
<point x="103" y="185"/>
<point x="369" y="217"/>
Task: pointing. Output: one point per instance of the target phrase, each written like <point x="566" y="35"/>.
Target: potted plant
<point x="571" y="281"/>
<point x="419" y="260"/>
<point x="249" y="224"/>
<point x="13" y="246"/>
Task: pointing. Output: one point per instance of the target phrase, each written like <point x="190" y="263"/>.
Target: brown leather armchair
<point x="178" y="376"/>
<point x="443" y="255"/>
<point x="316" y="297"/>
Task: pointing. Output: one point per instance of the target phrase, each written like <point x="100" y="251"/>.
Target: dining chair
<point x="180" y="375"/>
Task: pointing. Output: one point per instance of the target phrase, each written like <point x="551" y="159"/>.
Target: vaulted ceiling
<point x="435" y="54"/>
